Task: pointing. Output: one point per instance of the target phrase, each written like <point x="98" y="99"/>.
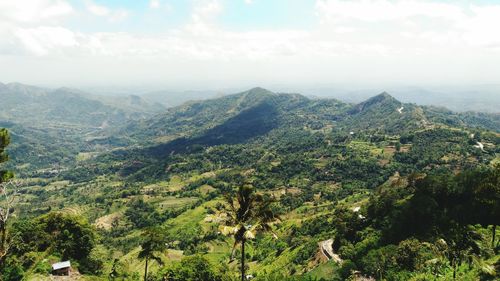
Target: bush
<point x="71" y="236"/>
<point x="408" y="254"/>
<point x="347" y="268"/>
<point x="192" y="268"/>
<point x="378" y="261"/>
<point x="12" y="270"/>
<point x="43" y="268"/>
<point x="306" y="252"/>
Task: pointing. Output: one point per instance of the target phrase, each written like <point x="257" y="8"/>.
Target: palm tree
<point x="154" y="243"/>
<point x="460" y="245"/>
<point x="247" y="213"/>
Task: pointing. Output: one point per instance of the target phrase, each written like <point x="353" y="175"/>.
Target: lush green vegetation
<point x="297" y="189"/>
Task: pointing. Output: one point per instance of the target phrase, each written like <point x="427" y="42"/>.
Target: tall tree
<point x="247" y="213"/>
<point x="7" y="197"/>
<point x="487" y="200"/>
<point x="459" y="246"/>
<point x="7" y="192"/>
<point x="153" y="244"/>
<point x="4" y="142"/>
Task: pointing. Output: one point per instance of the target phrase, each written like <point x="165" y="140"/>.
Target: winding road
<point x="327" y="251"/>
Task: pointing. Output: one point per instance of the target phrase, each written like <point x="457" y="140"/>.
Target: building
<point x="61" y="268"/>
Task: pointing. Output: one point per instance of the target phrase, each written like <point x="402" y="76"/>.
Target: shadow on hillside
<point x="250" y="123"/>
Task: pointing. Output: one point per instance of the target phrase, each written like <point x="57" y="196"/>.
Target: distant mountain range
<point x="260" y="119"/>
<point x="35" y="106"/>
<point x="82" y="122"/>
<point x="260" y="108"/>
<point x="482" y="98"/>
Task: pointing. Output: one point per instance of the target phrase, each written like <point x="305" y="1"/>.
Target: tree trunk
<point x="454" y="271"/>
<point x="3" y="231"/>
<point x="493" y="232"/>
<point x="146" y="271"/>
<point x="3" y="240"/>
<point x="243" y="260"/>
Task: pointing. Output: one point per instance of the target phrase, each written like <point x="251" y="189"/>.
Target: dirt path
<point x="479" y="145"/>
<point x="327" y="251"/>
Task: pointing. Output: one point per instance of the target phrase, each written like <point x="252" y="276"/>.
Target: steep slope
<point x="258" y="118"/>
<point x="384" y="114"/>
<point x="490" y="121"/>
<point x="194" y="118"/>
<point x="243" y="117"/>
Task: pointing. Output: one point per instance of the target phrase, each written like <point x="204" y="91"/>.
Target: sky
<point x="200" y="44"/>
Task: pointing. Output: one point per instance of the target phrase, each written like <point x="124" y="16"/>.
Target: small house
<point x="61" y="268"/>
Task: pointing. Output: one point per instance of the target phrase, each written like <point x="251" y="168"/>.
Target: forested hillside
<point x="256" y="185"/>
<point x="52" y="129"/>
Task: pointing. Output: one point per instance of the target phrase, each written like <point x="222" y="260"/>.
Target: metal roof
<point x="60" y="265"/>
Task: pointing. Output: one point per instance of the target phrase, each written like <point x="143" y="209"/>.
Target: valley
<point x="365" y="190"/>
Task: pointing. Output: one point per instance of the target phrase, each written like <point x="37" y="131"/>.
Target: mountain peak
<point x="259" y="91"/>
<point x="383" y="100"/>
<point x="254" y="96"/>
<point x="383" y="97"/>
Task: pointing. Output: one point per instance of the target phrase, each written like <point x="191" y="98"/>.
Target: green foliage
<point x="191" y="268"/>
<point x="29" y="236"/>
<point x="12" y="270"/>
<point x="93" y="263"/>
<point x="4" y="142"/>
<point x="43" y="267"/>
<point x="70" y="236"/>
<point x="248" y="213"/>
<point x="154" y="242"/>
<point x="142" y="214"/>
<point x="434" y="208"/>
<point x="347" y="268"/>
<point x="378" y="261"/>
<point x="410" y="254"/>
<point x="64" y="235"/>
<point x="306" y="252"/>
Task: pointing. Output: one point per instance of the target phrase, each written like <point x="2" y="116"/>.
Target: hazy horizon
<point x="459" y="98"/>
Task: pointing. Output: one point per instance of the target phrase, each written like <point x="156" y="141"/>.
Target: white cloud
<point x="118" y="15"/>
<point x="249" y="2"/>
<point x="206" y="10"/>
<point x="203" y="15"/>
<point x="154" y="4"/>
<point x="34" y="11"/>
<point x="103" y="11"/>
<point x="481" y="29"/>
<point x="96" y="9"/>
<point x="347" y="28"/>
<point x="440" y="23"/>
<point x="384" y="10"/>
<point x="42" y="40"/>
